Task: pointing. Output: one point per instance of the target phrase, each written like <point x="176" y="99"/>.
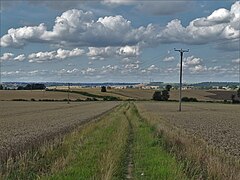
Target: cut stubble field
<point x="217" y="124"/>
<point x="8" y="95"/>
<point x="24" y="124"/>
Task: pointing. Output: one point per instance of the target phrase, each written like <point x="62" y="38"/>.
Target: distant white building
<point x="150" y="87"/>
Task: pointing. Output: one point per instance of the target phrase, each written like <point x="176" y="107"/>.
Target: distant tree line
<point x="32" y="87"/>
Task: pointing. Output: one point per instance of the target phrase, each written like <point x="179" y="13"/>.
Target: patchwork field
<point x="26" y="123"/>
<point x="141" y="94"/>
<point x="217" y="124"/>
<point x="121" y="94"/>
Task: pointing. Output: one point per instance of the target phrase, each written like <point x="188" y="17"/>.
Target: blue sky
<point x="119" y="40"/>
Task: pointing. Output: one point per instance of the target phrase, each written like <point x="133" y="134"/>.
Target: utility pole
<point x="0" y="72"/>
<point x="68" y="91"/>
<point x="1" y="60"/>
<point x="180" y="86"/>
<point x="1" y="85"/>
<point x="239" y="72"/>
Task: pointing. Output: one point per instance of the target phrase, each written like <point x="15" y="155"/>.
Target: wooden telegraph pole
<point x="180" y="85"/>
<point x="68" y="91"/>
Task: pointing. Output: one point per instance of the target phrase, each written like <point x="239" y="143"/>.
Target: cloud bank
<point x="77" y="28"/>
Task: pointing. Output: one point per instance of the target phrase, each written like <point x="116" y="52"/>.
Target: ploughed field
<point x="28" y="123"/>
<point x="217" y="124"/>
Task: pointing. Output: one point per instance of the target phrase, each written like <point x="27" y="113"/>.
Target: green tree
<point x="1" y="87"/>
<point x="161" y="95"/>
<point x="165" y="95"/>
<point x="168" y="87"/>
<point x="103" y="89"/>
<point x="157" y="96"/>
<point x="238" y="92"/>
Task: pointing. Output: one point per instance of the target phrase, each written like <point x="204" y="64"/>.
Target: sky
<point x="119" y="40"/>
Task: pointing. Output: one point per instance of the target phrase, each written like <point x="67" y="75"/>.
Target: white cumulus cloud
<point x="198" y="68"/>
<point x="107" y="52"/>
<point x="191" y="60"/>
<point x="168" y="59"/>
<point x="18" y="37"/>
<point x="20" y="57"/>
<point x="222" y="24"/>
<point x="52" y="55"/>
<point x="236" y="60"/>
<point x="77" y="28"/>
<point x="7" y="56"/>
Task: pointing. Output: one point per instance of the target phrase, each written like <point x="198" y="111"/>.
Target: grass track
<point x="150" y="160"/>
<point x="98" y="154"/>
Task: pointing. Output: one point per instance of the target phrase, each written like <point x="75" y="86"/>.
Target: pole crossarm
<point x="180" y="85"/>
<point x="181" y="50"/>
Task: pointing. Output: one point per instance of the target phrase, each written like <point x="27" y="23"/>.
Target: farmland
<point x="104" y="149"/>
<point x="143" y="94"/>
<point x="8" y="95"/>
<point x="26" y="123"/>
<point x="118" y="140"/>
<point x="206" y="135"/>
<point x="119" y="90"/>
<point x="217" y="124"/>
<point x="81" y="94"/>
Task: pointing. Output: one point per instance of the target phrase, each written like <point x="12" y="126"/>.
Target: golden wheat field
<point x="217" y="124"/>
<point x="26" y="123"/>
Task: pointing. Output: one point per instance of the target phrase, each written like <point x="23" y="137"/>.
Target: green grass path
<point x="150" y="160"/>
